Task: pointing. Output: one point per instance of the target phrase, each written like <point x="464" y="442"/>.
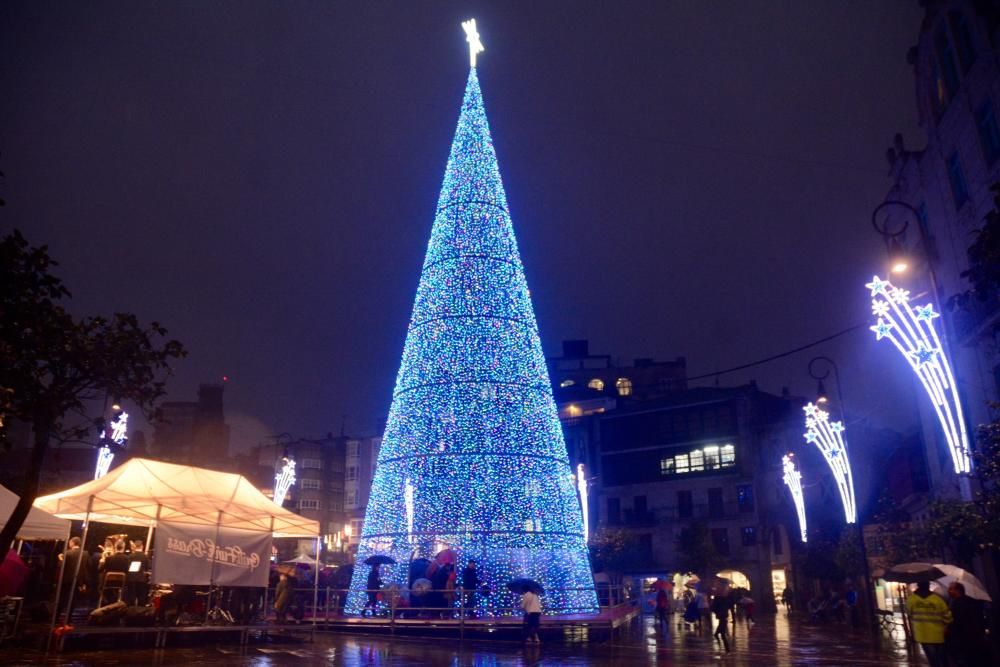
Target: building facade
<point x="948" y="185"/>
<point x="194" y="432"/>
<point x="709" y="456"/>
<point x="318" y="491"/>
<point x="362" y="456"/>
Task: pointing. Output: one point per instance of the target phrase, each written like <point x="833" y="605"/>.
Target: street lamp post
<point x="820" y="377"/>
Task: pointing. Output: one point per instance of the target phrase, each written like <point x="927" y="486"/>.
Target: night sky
<point x="686" y="179"/>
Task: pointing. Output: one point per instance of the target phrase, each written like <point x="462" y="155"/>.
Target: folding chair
<point x="113" y="589"/>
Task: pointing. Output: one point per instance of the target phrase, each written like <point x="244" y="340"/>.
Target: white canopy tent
<point x="144" y="491"/>
<point x="39" y="525"/>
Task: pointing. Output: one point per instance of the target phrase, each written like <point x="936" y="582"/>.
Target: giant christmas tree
<point x="473" y="457"/>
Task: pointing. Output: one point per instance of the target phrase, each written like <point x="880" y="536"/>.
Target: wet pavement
<point x="772" y="641"/>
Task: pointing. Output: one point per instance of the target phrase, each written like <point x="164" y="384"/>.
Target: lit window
<point x="315" y="464"/>
<point x="682" y="463"/>
<point x="711" y="457"/>
<point x="567" y="383"/>
<point x="596" y="383"/>
<point x="667" y="466"/>
<point x="728" y="456"/>
<point x="697" y="460"/>
<point x="356" y="525"/>
<point x="624" y="386"/>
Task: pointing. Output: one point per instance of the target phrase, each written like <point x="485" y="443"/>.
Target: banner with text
<point x="186" y="554"/>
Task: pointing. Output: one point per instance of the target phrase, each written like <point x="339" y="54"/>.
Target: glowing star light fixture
<point x="472" y="37"/>
<point x="119" y="427"/>
<point x="912" y="331"/>
<point x="793" y="478"/>
<point x="828" y="436"/>
<point x="284" y="480"/>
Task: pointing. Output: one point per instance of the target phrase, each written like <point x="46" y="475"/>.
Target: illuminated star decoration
<point x="881" y="329"/>
<point x="912" y="332"/>
<point x="472" y="423"/>
<point x="793" y="479"/>
<point x="829" y="439"/>
<point x="880" y="308"/>
<point x="472" y="37"/>
<point x="283" y="480"/>
<point x="925" y="313"/>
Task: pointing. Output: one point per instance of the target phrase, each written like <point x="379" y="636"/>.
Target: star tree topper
<point x="472" y="37"/>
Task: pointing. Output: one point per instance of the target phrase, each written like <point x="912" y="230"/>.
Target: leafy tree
<point x="615" y="550"/>
<point x="54" y="366"/>
<point x="696" y="551"/>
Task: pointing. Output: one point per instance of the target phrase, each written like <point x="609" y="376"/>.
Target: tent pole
<point x="211" y="576"/>
<point x="20" y="543"/>
<point x="316" y="583"/>
<point x="267" y="582"/>
<point x="79" y="561"/>
<point x="55" y="604"/>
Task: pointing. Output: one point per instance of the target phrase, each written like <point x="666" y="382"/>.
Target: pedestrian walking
<point x="964" y="638"/>
<point x="704" y="612"/>
<point x="663" y="607"/>
<point x="787" y="597"/>
<point x="721" y="604"/>
<point x="929" y="617"/>
<point x="531" y="604"/>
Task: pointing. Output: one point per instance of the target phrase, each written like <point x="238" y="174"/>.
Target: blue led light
<point x="473" y="458"/>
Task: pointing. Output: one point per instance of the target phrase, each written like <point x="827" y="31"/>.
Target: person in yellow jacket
<point x="929" y="617"/>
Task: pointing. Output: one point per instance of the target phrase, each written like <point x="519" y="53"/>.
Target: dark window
<point x="946" y="60"/>
<point x="959" y="189"/>
<point x="989" y="135"/>
<point x="776" y="542"/>
<point x="749" y="534"/>
<point x="639" y="506"/>
<point x="744" y="496"/>
<point x="646" y="544"/>
<point x="720" y="539"/>
<point x="614" y="511"/>
<point x="716" y="509"/>
<point x="685" y="506"/>
<point x="963" y="39"/>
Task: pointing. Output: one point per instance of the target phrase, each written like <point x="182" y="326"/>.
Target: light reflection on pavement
<point x="773" y="641"/>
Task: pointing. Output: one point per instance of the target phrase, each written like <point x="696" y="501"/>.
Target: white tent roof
<point x="132" y="493"/>
<point x="38" y="526"/>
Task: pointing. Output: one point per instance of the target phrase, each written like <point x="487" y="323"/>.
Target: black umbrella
<point x="912" y="573"/>
<point x="380" y="559"/>
<point x="521" y="584"/>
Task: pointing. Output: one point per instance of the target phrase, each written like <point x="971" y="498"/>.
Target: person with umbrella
<point x="374" y="584"/>
<point x="929" y="617"/>
<point x="470" y="584"/>
<point x="532" y="606"/>
<point x="964" y="637"/>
